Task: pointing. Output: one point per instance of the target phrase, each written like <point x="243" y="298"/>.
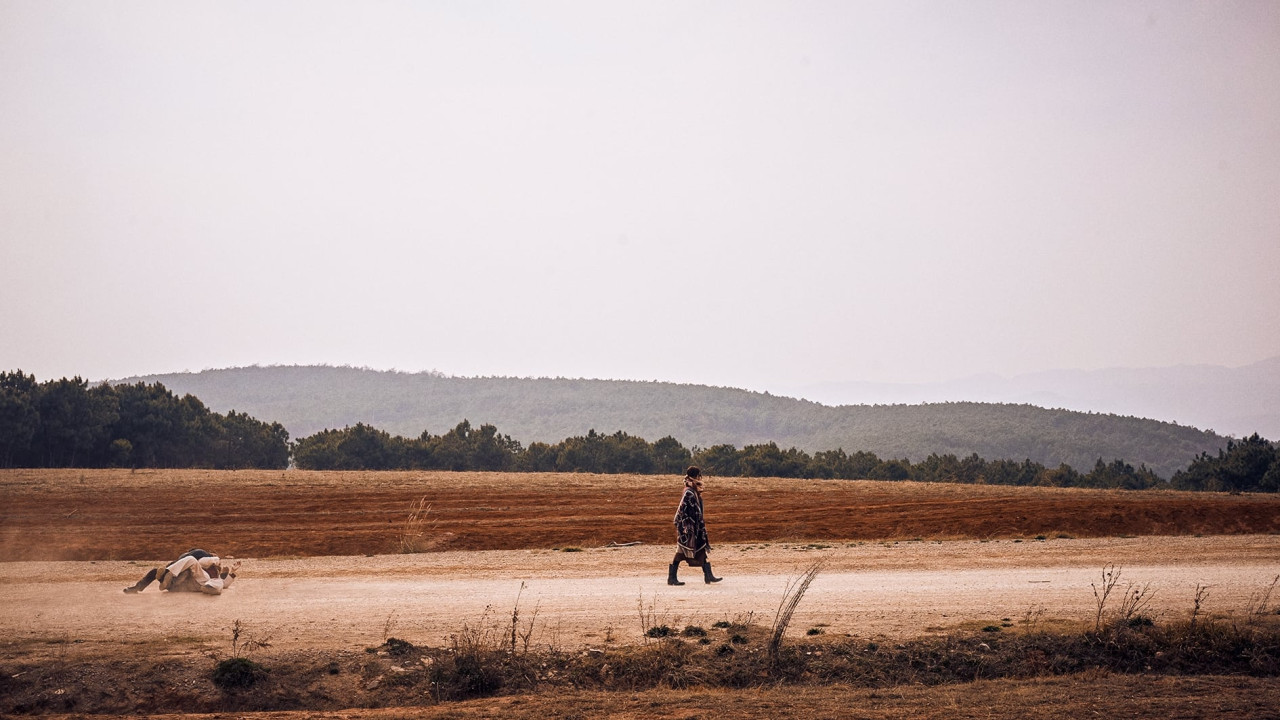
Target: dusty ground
<point x="320" y="573"/>
<point x="594" y="596"/>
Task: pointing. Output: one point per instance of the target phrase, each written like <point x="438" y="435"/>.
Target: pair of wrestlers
<point x="195" y="570"/>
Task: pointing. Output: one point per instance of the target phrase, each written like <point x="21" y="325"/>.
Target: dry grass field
<point x="153" y="514"/>
<point x="942" y="592"/>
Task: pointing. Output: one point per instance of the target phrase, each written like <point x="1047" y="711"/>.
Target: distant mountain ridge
<point x="1235" y="401"/>
<point x="307" y="399"/>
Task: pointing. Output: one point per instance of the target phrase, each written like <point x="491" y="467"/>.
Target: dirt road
<point x="596" y="596"/>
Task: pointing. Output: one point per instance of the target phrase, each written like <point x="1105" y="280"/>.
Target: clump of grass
<point x="237" y="673"/>
<point x="413" y="531"/>
<point x="467" y="671"/>
<point x="398" y="648"/>
<point x="693" y="631"/>
<point x="478" y="660"/>
<point x="790" y="601"/>
<point x="1259" y="603"/>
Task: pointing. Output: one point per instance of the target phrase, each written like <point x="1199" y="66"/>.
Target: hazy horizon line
<point x="440" y="373"/>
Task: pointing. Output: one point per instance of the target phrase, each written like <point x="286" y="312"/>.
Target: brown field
<point x="324" y="577"/>
<point x="155" y="514"/>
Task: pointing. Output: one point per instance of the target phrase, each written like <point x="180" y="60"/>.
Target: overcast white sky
<point x="758" y="195"/>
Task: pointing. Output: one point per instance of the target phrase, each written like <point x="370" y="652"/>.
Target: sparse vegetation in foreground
<point x="735" y="656"/>
<point x="479" y="663"/>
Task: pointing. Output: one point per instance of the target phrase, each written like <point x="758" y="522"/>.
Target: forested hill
<point x="309" y="399"/>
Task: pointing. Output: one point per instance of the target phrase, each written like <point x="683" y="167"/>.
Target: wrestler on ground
<point x="194" y="571"/>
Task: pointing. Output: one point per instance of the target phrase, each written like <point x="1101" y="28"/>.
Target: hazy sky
<point x="759" y="195"/>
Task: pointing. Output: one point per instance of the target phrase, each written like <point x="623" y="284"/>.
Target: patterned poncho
<point x="691" y="531"/>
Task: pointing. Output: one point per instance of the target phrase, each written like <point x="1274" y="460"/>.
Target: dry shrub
<point x="791" y="598"/>
<point x="653" y="623"/>
<point x="468" y="671"/>
<point x="1102" y="591"/>
<point x="1133" y="600"/>
<point x="1260" y="603"/>
<point x="1202" y="594"/>
<point x="487" y="656"/>
<point x="245" y="643"/>
<point x="522" y="631"/>
<point x="413" y="531"/>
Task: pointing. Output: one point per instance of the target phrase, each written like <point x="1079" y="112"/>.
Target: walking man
<point x="691" y="531"/>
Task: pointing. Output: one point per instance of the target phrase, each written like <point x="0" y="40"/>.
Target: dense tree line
<point x="68" y="423"/>
<point x="362" y="447"/>
<point x="1252" y="464"/>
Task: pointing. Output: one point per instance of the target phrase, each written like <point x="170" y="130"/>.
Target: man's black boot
<point x="707" y="577"/>
<point x="671" y="575"/>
